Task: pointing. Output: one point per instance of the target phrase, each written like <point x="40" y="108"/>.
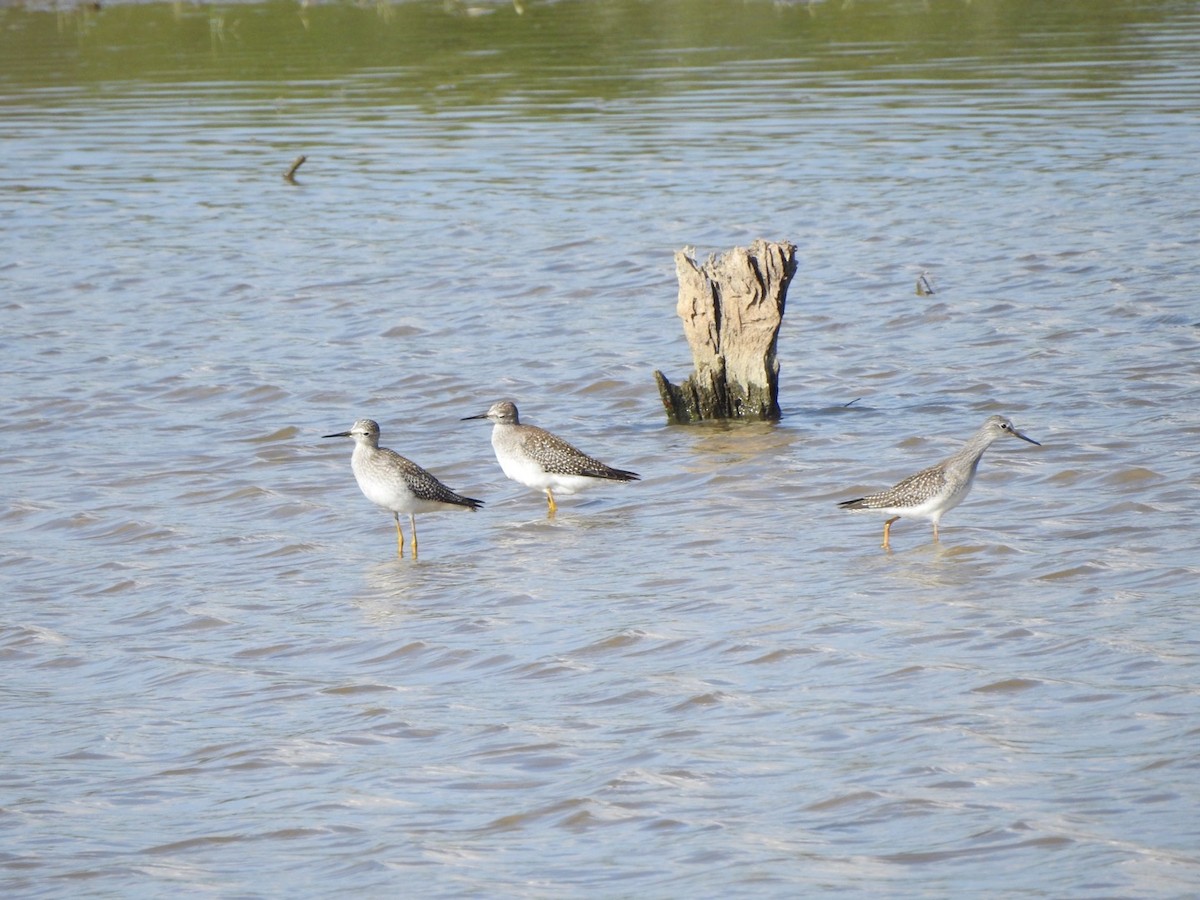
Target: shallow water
<point x="221" y="680"/>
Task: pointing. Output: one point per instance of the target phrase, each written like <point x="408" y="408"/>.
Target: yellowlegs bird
<point x="538" y="459"/>
<point x="395" y="483"/>
<point x="933" y="492"/>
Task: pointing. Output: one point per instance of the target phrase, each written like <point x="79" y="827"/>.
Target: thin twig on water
<point x="290" y="176"/>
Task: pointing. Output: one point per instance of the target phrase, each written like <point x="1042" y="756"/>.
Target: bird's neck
<point x="363" y="451"/>
<point x="972" y="451"/>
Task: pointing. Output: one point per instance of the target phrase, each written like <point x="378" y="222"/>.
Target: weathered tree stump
<point x="731" y="307"/>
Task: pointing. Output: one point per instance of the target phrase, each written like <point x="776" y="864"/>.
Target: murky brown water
<point x="220" y="680"/>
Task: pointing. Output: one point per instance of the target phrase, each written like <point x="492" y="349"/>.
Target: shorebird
<point x="538" y="459"/>
<point x="397" y="484"/>
<point x="933" y="492"/>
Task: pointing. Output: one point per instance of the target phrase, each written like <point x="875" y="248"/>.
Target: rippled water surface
<point x="220" y="680"/>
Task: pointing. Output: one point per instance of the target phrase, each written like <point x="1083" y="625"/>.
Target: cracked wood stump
<point x="731" y="308"/>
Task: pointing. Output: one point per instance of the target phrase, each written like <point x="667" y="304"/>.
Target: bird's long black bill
<point x="469" y="418"/>
<point x="339" y="434"/>
<point x="1025" y="437"/>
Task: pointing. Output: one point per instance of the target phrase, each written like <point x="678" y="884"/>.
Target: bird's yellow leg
<point x="399" y="536"/>
<point x="887" y="528"/>
<point x="553" y="507"/>
<point x="412" y="520"/>
<point x="935" y="534"/>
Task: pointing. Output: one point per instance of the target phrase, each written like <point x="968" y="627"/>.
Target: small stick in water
<point x="291" y="173"/>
